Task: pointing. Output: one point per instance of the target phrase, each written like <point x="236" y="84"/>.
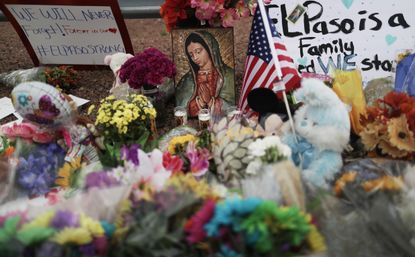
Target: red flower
<point x="194" y="227"/>
<point x="172" y="163"/>
<point x="172" y="11"/>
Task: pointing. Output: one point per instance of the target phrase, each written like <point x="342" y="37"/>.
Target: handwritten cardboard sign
<point x="346" y="34"/>
<point x="76" y="32"/>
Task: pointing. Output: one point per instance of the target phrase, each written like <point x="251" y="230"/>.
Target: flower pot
<point x="158" y="99"/>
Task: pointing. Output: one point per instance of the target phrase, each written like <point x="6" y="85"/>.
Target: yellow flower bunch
<point x="79" y="236"/>
<point x="40" y="221"/>
<point x="180" y="141"/>
<point x="121" y="114"/>
<point x="189" y="183"/>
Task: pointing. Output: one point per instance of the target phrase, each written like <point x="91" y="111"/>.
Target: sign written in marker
<point x="79" y="33"/>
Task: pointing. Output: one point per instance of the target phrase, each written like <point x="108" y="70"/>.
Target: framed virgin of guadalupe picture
<point x="205" y="64"/>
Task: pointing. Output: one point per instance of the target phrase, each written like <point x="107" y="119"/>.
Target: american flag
<point x="260" y="69"/>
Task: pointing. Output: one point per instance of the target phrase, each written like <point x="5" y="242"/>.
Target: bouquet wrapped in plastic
<point x="373" y="212"/>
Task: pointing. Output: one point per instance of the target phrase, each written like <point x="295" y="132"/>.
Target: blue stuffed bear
<point x="322" y="127"/>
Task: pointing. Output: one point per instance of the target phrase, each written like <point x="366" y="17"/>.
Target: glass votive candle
<point x="233" y="113"/>
<point x="204" y="119"/>
<point x="180" y="115"/>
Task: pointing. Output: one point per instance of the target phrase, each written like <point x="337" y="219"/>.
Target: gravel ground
<point x="95" y="85"/>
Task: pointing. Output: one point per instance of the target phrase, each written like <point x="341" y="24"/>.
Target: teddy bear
<point x="115" y="61"/>
<point x="322" y="128"/>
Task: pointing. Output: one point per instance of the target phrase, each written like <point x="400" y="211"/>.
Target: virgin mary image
<point x="209" y="84"/>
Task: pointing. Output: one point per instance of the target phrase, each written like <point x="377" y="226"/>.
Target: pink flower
<point x="202" y="4"/>
<point x="199" y="159"/>
<point x="27" y="131"/>
<point x="172" y="163"/>
<point x="229" y="16"/>
<point x="205" y="14"/>
<point x="241" y="9"/>
<point x="194" y="227"/>
<point x="252" y="5"/>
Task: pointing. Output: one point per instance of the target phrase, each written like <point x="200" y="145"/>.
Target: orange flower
<point x="385" y="183"/>
<point x="172" y="11"/>
<point x="343" y="181"/>
<point x="395" y="99"/>
<point x="399" y="134"/>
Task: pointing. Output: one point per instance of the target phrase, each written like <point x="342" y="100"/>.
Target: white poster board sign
<point x="346" y="34"/>
<point x="70" y="34"/>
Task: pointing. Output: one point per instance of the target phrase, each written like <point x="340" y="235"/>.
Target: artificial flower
<point x="43" y="220"/>
<point x="67" y="174"/>
<point x="387" y="148"/>
<point x="94" y="227"/>
<point x="229" y="213"/>
<point x="64" y="219"/>
<point x="78" y="236"/>
<point x="195" y="225"/>
<point x="399" y="134"/>
<point x="371" y="135"/>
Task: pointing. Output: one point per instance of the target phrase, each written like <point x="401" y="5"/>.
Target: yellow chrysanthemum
<point x="388" y="149"/>
<point x="90" y="109"/>
<point x="79" y="236"/>
<point x="188" y="182"/>
<point x="67" y="172"/>
<point x="93" y="226"/>
<point x="181" y="141"/>
<point x="315" y="240"/>
<point x="42" y="220"/>
<point x="400" y="135"/>
<point x="371" y="135"/>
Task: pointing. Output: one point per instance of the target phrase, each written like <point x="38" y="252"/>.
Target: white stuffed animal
<point x="115" y="61"/>
<point x="322" y="126"/>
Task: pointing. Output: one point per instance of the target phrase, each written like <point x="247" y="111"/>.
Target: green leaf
<point x="34" y="235"/>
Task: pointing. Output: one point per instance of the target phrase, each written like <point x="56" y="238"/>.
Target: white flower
<point x="253" y="167"/>
<point x="258" y="148"/>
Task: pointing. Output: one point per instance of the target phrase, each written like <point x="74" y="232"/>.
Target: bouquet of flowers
<point x="38" y="166"/>
<point x="148" y="68"/>
<point x="54" y="233"/>
<point x="373" y="212"/>
<point x="63" y="77"/>
<point x="187" y="154"/>
<point x="389" y="126"/>
<point x="124" y="122"/>
<point x="248" y="227"/>
<point x="215" y="12"/>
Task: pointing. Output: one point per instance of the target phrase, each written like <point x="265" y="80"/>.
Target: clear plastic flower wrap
<point x="373" y="211"/>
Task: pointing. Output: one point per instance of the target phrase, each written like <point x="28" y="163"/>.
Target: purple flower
<point x="65" y="219"/>
<point x="36" y="172"/>
<point x="130" y="154"/>
<point x="149" y="67"/>
<point x="100" y="179"/>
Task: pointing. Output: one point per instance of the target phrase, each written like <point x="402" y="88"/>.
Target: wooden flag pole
<point x="276" y="62"/>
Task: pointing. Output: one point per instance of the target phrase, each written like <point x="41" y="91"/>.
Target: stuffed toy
<point x="322" y="127"/>
<point x="271" y="110"/>
<point x="115" y="61"/>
